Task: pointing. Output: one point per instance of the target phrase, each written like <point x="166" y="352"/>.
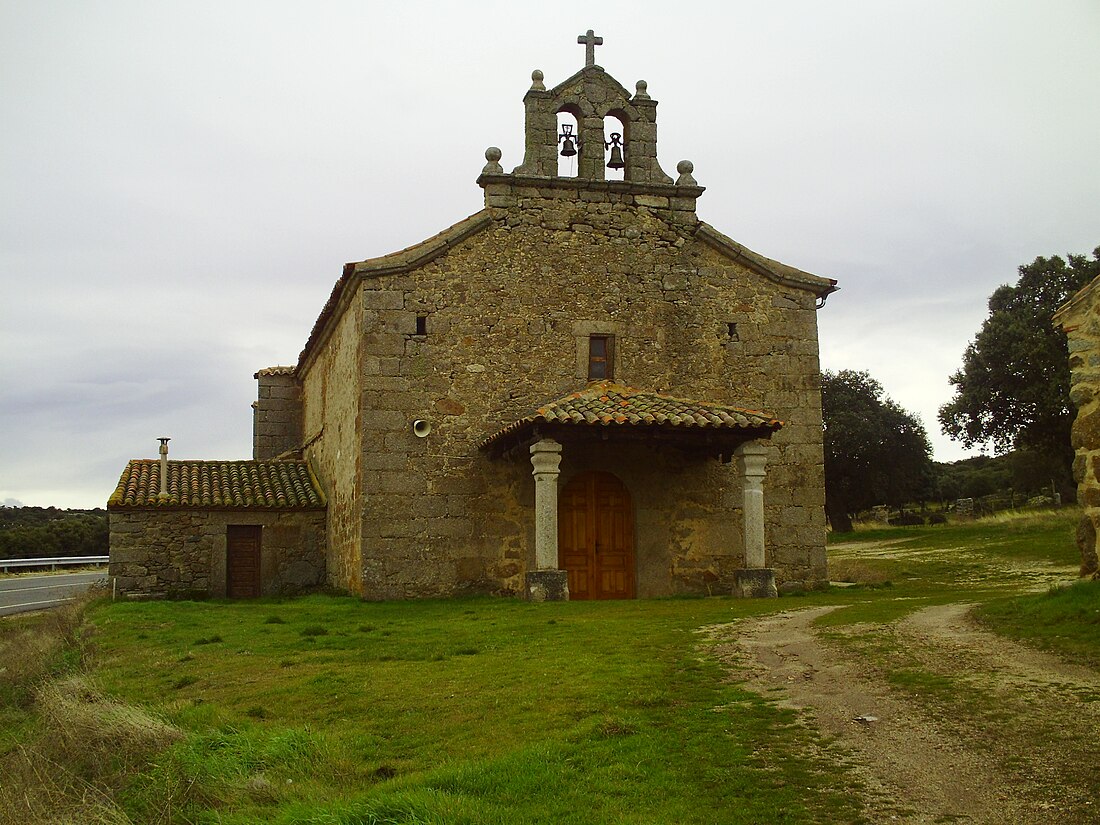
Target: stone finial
<point x="536" y="81"/>
<point x="493" y="167"/>
<point x="641" y="90"/>
<point x="590" y="41"/>
<point x="685" y="168"/>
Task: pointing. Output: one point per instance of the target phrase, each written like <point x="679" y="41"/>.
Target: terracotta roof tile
<point x="608" y="404"/>
<point x="220" y="484"/>
<point x="275" y="371"/>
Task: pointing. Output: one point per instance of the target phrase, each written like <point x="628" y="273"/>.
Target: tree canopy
<point x="39" y="532"/>
<point x="1013" y="388"/>
<point x="875" y="452"/>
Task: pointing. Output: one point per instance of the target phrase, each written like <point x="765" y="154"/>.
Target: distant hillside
<point x="36" y="532"/>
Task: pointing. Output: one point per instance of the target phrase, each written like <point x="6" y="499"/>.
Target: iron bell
<point x="568" y="149"/>
<point x="616" y="161"/>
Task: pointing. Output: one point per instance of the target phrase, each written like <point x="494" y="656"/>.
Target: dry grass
<point x="854" y="571"/>
<point x="78" y="746"/>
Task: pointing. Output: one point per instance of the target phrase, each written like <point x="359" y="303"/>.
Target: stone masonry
<point x="484" y="322"/>
<point x="1079" y="318"/>
<point x="181" y="553"/>
<point x="277" y="413"/>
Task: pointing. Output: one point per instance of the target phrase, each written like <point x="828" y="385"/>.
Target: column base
<point x="754" y="583"/>
<point x="547" y="586"/>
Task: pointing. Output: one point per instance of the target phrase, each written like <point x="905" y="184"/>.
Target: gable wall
<point x="505" y="311"/>
<point x="330" y="424"/>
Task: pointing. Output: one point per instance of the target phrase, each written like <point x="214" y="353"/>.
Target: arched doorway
<point x="596" y="537"/>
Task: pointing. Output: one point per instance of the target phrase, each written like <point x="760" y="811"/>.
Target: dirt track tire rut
<point x="922" y="762"/>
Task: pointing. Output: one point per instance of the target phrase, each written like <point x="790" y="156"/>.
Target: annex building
<point x="581" y="391"/>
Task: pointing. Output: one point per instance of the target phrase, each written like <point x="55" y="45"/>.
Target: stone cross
<point x="590" y="42"/>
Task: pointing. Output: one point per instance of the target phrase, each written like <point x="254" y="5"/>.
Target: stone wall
<point x="333" y="442"/>
<point x="181" y="553"/>
<point x="505" y="315"/>
<point x="1080" y="319"/>
<point x="277" y="414"/>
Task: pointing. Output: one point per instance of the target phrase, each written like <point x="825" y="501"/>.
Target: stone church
<point x="581" y="391"/>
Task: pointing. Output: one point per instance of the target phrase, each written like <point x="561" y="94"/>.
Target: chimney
<point x="163" y="468"/>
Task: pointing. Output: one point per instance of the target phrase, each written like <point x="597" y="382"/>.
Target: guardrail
<point x="54" y="563"/>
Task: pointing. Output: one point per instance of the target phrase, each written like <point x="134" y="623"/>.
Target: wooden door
<point x="596" y="537"/>
<point x="242" y="562"/>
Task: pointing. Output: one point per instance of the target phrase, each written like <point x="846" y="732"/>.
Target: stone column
<point x="754" y="579"/>
<point x="546" y="582"/>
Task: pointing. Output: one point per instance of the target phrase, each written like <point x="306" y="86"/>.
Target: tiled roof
<point x="607" y="404"/>
<point x="220" y="484"/>
<point x="275" y="371"/>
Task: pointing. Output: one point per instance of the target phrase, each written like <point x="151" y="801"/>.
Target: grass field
<point x="331" y="710"/>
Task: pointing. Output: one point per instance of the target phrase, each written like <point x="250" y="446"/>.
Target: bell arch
<point x="570" y="145"/>
<point x="616" y="128"/>
<point x="590" y="96"/>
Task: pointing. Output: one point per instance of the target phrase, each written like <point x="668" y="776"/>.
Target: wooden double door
<point x="242" y="561"/>
<point x="596" y="537"/>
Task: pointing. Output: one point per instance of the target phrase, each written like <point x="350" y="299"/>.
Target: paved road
<point x="22" y="593"/>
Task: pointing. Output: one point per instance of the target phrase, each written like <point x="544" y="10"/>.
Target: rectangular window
<point x="601" y="357"/>
<point x="421" y="324"/>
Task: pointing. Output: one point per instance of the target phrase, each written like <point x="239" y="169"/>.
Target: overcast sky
<point x="181" y="182"/>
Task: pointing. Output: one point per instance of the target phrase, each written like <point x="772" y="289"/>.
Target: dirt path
<point x="986" y="743"/>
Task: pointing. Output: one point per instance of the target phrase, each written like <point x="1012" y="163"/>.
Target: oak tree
<point x="875" y="451"/>
<point x="1013" y="387"/>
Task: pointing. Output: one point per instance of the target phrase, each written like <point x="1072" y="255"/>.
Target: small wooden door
<point x="242" y="562"/>
<point x="596" y="537"/>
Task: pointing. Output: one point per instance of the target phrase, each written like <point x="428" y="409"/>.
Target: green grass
<point x="1065" y="620"/>
<point x="328" y="710"/>
<point x="466" y="711"/>
<point x="971" y="561"/>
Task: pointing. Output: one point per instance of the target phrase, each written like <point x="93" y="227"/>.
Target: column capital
<point x="752" y="457"/>
<point x="546" y="457"/>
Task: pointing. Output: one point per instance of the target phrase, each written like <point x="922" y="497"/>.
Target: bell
<point x="616" y="147"/>
<point x="567" y="148"/>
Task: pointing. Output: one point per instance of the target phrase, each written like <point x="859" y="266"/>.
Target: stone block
<point x="383" y="299"/>
<point x="755" y="583"/>
<point x="792" y="588"/>
<point x="546" y="585"/>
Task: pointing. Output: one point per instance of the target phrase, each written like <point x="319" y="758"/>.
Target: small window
<point x="421" y="324"/>
<point x="731" y="332"/>
<point x="601" y="357"/>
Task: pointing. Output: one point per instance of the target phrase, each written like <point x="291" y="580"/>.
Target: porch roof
<point x="620" y="408"/>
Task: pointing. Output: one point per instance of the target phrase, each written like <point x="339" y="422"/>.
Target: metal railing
<point x="53" y="563"/>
